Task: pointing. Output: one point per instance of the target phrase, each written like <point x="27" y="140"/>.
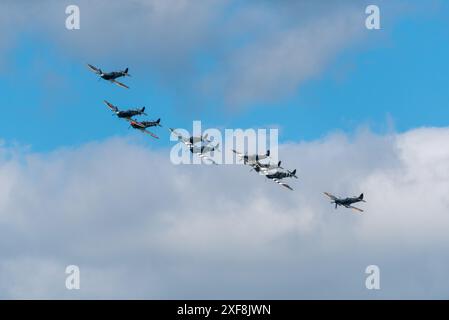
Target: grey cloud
<point x="255" y="52"/>
<point x="296" y="42"/>
<point x="139" y="227"/>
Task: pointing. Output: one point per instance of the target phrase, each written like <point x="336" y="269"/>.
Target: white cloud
<point x="139" y="227"/>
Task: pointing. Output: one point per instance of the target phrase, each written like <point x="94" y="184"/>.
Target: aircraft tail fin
<point x="293" y="174"/>
<point x="279" y="163"/>
<point x="361" y="198"/>
<point x="205" y="136"/>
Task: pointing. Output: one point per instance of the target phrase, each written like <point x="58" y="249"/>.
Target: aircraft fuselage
<point x="347" y="201"/>
<point x="202" y="149"/>
<point x="112" y="75"/>
<point x="278" y="175"/>
<point x="144" y="124"/>
<point x="128" y="113"/>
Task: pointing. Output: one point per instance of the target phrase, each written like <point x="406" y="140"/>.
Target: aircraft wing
<point x="136" y="123"/>
<point x="255" y="166"/>
<point x="206" y="140"/>
<point x="119" y="83"/>
<point x="150" y="133"/>
<point x="262" y="171"/>
<point x="174" y="132"/>
<point x="110" y="105"/>
<point x="240" y="155"/>
<point x="252" y="164"/>
<point x="279" y="182"/>
<point x="250" y="161"/>
<point x="187" y="143"/>
<point x="203" y="156"/>
<point x="180" y="137"/>
<point x="197" y="151"/>
<point x="94" y="69"/>
<point x="330" y="196"/>
<point x="351" y="207"/>
<point x="283" y="184"/>
<point x="286" y="185"/>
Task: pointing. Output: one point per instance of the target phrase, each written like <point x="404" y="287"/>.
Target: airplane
<point x="200" y="151"/>
<point x="126" y="114"/>
<point x="143" y="125"/>
<point x="251" y="159"/>
<point x="111" y="76"/>
<point x="346" y="202"/>
<point x="191" y="140"/>
<point x="265" y="167"/>
<point x="278" y="175"/>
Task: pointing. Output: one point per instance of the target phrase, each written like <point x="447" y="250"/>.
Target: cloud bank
<point x="140" y="227"/>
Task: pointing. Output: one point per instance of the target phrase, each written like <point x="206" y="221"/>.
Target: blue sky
<point x="395" y="78"/>
<point x="78" y="187"/>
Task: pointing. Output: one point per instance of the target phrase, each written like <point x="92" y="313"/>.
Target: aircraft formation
<point x="269" y="170"/>
<point x="205" y="145"/>
<point x="135" y="124"/>
<point x="202" y="146"/>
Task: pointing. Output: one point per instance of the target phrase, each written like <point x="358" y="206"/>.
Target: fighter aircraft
<point x="265" y="167"/>
<point x="126" y="114"/>
<point x="143" y="125"/>
<point x="280" y="174"/>
<point x="251" y="159"/>
<point x="202" y="150"/>
<point x="191" y="140"/>
<point x="346" y="202"/>
<point x="111" y="76"/>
